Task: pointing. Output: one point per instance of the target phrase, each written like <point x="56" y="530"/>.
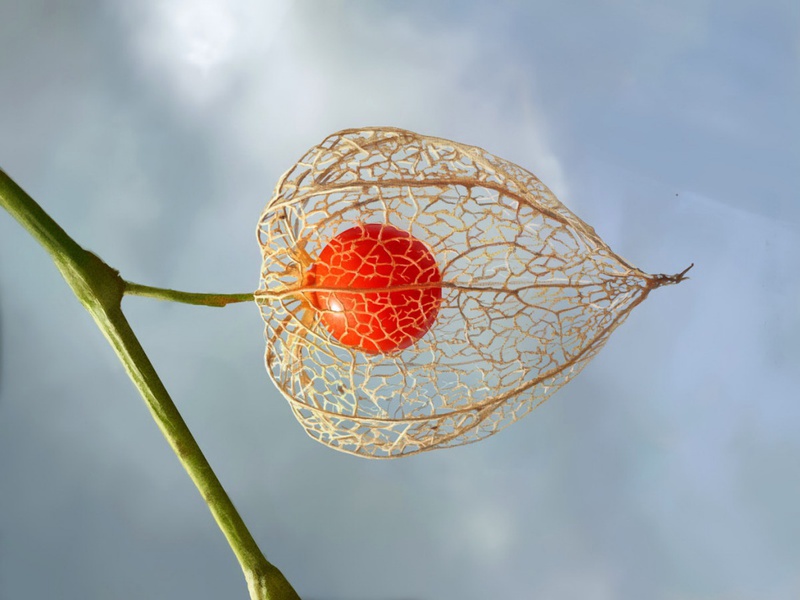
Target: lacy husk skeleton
<point x="530" y="293"/>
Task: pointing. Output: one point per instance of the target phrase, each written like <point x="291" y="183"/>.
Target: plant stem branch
<point x="137" y="289"/>
<point x="100" y="290"/>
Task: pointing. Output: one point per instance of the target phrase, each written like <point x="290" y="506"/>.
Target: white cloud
<point x="196" y="46"/>
<point x="275" y="81"/>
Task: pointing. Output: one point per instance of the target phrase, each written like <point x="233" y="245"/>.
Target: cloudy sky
<point x="154" y="132"/>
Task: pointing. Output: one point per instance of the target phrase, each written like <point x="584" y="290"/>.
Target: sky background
<point x="154" y="133"/>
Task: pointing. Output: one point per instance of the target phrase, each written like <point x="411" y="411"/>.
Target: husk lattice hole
<point x="530" y="293"/>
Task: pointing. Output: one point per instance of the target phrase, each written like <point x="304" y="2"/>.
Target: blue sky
<point x="154" y="132"/>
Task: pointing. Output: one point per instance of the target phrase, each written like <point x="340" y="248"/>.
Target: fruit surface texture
<point x="377" y="288"/>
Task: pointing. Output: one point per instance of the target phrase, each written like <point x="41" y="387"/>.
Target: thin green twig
<point x="100" y="289"/>
<point x="219" y="300"/>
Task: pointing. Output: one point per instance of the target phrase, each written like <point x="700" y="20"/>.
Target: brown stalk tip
<point x="657" y="281"/>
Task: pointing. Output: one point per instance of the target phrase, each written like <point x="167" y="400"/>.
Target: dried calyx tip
<point x="659" y="280"/>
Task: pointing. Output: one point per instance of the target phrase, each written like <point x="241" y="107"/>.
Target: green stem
<point x="137" y="289"/>
<point x="100" y="290"/>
